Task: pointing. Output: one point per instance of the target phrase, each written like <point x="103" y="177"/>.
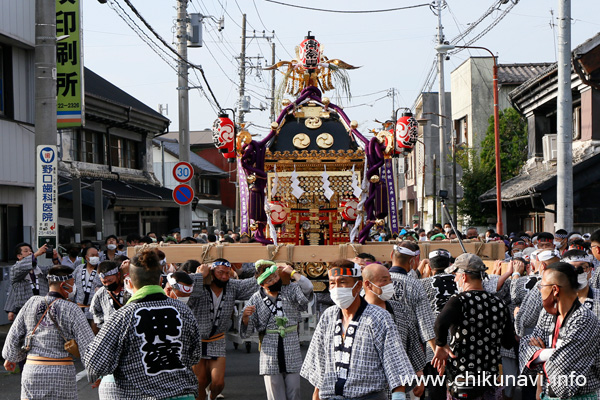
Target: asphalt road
<point x="241" y="379"/>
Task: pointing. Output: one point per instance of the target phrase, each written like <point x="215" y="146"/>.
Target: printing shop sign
<point x="46" y="189"/>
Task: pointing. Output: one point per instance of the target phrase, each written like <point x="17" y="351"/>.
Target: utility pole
<point x="244" y="104"/>
<point x="273" y="82"/>
<point x="442" y="108"/>
<point x="185" y="212"/>
<point x="240" y="118"/>
<point x="45" y="73"/>
<point x="564" y="138"/>
<point x="45" y="96"/>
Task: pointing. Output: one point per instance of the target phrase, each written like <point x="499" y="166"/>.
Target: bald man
<point x="379" y="289"/>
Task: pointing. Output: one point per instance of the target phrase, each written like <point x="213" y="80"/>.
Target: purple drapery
<point x="391" y="192"/>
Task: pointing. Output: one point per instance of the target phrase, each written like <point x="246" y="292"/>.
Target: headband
<point x="440" y="253"/>
<point x="560" y="235"/>
<point x="404" y="250"/>
<point x="179" y="286"/>
<point x="437" y="235"/>
<point x="225" y="263"/>
<point x="570" y="259"/>
<point x="525" y="238"/>
<point x="113" y="271"/>
<point x="575" y="236"/>
<point x="344" y="271"/>
<point x="56" y="278"/>
<point x="548" y="255"/>
<point x="268" y="272"/>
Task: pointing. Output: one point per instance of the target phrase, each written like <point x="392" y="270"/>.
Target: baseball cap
<point x="467" y="262"/>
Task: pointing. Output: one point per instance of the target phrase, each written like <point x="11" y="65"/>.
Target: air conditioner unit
<point x="549" y="147"/>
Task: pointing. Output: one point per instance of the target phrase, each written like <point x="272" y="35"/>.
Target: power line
<point x="168" y="46"/>
<point x="349" y="11"/>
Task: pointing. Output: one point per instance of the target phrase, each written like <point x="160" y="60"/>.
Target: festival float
<point x="313" y="189"/>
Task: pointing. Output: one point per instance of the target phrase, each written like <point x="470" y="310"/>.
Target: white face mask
<point x="72" y="294"/>
<point x="184" y="300"/>
<point x="111" y="246"/>
<point x="422" y="238"/>
<point x="557" y="243"/>
<point x="447" y="230"/>
<point x="128" y="285"/>
<point x="343" y="297"/>
<point x="387" y="291"/>
<point x="94" y="260"/>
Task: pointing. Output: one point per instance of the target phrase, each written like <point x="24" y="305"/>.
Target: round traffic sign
<point x="183" y="172"/>
<point x="183" y="195"/>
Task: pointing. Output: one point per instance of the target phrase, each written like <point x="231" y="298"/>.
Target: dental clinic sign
<point x="46" y="189"/>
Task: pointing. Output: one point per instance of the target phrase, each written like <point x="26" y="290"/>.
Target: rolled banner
<point x="244" y="196"/>
<point x="388" y="175"/>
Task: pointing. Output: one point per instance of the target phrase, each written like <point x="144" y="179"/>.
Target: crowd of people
<point x="412" y="326"/>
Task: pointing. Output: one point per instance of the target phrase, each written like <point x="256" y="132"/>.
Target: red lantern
<point x="310" y="52"/>
<point x="349" y="209"/>
<point x="224" y="135"/>
<point x="278" y="213"/>
<point x="406" y="132"/>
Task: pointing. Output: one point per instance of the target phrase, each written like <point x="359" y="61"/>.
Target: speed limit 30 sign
<point x="183" y="172"/>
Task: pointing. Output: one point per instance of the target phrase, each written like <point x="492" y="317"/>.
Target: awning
<point x="541" y="182"/>
<point x="117" y="192"/>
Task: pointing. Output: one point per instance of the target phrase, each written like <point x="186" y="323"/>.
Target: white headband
<point x="439" y="253"/>
<point x="570" y="259"/>
<point x="179" y="286"/>
<point x="548" y="255"/>
<point x="113" y="271"/>
<point x="404" y="250"/>
<point x="56" y="278"/>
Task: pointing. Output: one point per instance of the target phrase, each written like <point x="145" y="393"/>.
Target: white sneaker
<point x="220" y="396"/>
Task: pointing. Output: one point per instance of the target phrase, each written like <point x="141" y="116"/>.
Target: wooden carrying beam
<point x="250" y="252"/>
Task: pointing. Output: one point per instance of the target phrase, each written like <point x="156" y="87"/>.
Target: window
<point x="6" y="83"/>
<point x="124" y="152"/>
<point x="209" y="186"/>
<point x="88" y="146"/>
<point x="1" y="81"/>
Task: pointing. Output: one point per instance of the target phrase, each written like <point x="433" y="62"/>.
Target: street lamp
<point x="444" y="48"/>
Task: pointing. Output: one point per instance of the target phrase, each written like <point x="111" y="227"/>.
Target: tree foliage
<point x="479" y="169"/>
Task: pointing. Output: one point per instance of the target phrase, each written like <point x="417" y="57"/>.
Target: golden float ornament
<point x="326" y="101"/>
<point x="374" y="179"/>
<point x="301" y="141"/>
<point x="379" y="222"/>
<point x="251" y="178"/>
<point x="253" y="226"/>
<point x="313" y="122"/>
<point x="353" y="124"/>
<point x="315" y="270"/>
<point x="324" y="140"/>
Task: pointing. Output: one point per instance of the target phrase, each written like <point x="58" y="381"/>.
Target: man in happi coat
<point x="356" y="351"/>
<point x="27" y="279"/>
<point x="88" y="282"/>
<point x="39" y="334"/>
<point x="409" y="291"/>
<point x="213" y="308"/>
<point x="149" y="345"/>
<point x="564" y="343"/>
<point x="379" y="290"/>
<point x="274" y="312"/>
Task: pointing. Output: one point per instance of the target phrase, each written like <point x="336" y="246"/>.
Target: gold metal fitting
<point x="353" y="124"/>
<point x="373" y="179"/>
